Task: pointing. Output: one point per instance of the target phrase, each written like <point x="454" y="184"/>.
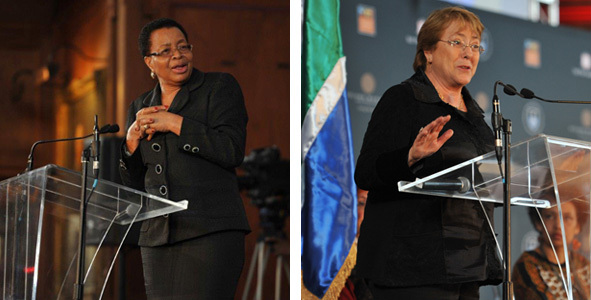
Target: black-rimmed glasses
<point x="167" y="52"/>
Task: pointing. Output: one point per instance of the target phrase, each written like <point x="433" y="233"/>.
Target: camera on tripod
<point x="266" y="180"/>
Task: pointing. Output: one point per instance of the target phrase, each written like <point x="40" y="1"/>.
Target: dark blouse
<point x="409" y="239"/>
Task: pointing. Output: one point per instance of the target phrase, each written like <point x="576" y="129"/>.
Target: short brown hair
<point x="434" y="27"/>
<point x="581" y="210"/>
<point x="575" y="195"/>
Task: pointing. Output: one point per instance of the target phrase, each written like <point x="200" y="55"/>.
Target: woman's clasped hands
<point x="150" y="120"/>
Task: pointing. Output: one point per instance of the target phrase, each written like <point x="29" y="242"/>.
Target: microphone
<point x="529" y="94"/>
<point x="105" y="129"/>
<point x="496" y="121"/>
<point x="109" y="128"/>
<point x="96" y="143"/>
<point x="461" y="184"/>
<point x="511" y="90"/>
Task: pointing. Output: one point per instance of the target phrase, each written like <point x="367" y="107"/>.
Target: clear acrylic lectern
<point x="39" y="226"/>
<point x="547" y="172"/>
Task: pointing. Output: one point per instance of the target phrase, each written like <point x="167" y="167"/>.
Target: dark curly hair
<point x="144" y="39"/>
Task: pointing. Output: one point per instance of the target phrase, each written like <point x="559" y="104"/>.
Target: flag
<point x="329" y="204"/>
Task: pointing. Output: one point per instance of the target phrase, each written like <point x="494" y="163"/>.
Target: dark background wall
<point x="379" y="40"/>
<point x="91" y="49"/>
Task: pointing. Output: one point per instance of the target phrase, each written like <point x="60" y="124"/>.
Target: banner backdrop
<point x="380" y="39"/>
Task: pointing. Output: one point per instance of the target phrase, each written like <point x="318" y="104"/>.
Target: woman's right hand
<point x="428" y="140"/>
<point x="140" y="128"/>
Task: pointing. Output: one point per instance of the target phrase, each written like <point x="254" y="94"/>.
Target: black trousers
<point x="206" y="267"/>
<point x="459" y="291"/>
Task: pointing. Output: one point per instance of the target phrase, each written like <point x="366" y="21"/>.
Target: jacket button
<point x="163" y="190"/>
<point x="158" y="169"/>
<point x="195" y="149"/>
<point x="187" y="147"/>
<point x="156" y="147"/>
<point x="122" y="164"/>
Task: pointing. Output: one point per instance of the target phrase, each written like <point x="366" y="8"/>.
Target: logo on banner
<point x="368" y="83"/>
<point x="366" y="20"/>
<point x="364" y="101"/>
<point x="532" y="53"/>
<point x="582" y="131"/>
<point x="584" y="70"/>
<point x="419" y="25"/>
<point x="586" y="118"/>
<point x="411" y="39"/>
<point x="533" y="118"/>
<point x="586" y="61"/>
<point x="487" y="43"/>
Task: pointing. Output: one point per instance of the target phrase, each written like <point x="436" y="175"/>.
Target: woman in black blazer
<point x="184" y="140"/>
<point x="415" y="246"/>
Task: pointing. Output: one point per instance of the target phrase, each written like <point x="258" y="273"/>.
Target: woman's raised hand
<point x="428" y="140"/>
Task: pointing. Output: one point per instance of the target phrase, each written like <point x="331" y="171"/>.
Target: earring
<point x="152" y="75"/>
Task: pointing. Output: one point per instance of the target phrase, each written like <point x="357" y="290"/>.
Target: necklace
<point x="461" y="106"/>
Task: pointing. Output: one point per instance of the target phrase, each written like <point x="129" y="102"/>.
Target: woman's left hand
<point x="162" y="121"/>
<point x="428" y="140"/>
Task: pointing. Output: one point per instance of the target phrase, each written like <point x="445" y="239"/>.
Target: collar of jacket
<point x="182" y="97"/>
<point x="424" y="91"/>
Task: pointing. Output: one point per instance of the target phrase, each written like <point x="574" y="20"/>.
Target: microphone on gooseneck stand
<point x="511" y="90"/>
<point x="496" y="121"/>
<point x="109" y="128"/>
<point x="497" y="117"/>
<point x="529" y="94"/>
<point x="96" y="146"/>
<point x="105" y="129"/>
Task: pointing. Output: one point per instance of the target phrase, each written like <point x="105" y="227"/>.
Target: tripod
<point x="264" y="246"/>
<point x="267" y="181"/>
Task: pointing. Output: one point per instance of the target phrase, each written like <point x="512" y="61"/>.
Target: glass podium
<point x="551" y="175"/>
<point x="40" y="223"/>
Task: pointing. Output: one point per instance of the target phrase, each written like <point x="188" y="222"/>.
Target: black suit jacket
<point x="409" y="239"/>
<point x="199" y="165"/>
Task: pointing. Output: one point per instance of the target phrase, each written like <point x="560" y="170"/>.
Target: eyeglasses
<point x="182" y="48"/>
<point x="459" y="45"/>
